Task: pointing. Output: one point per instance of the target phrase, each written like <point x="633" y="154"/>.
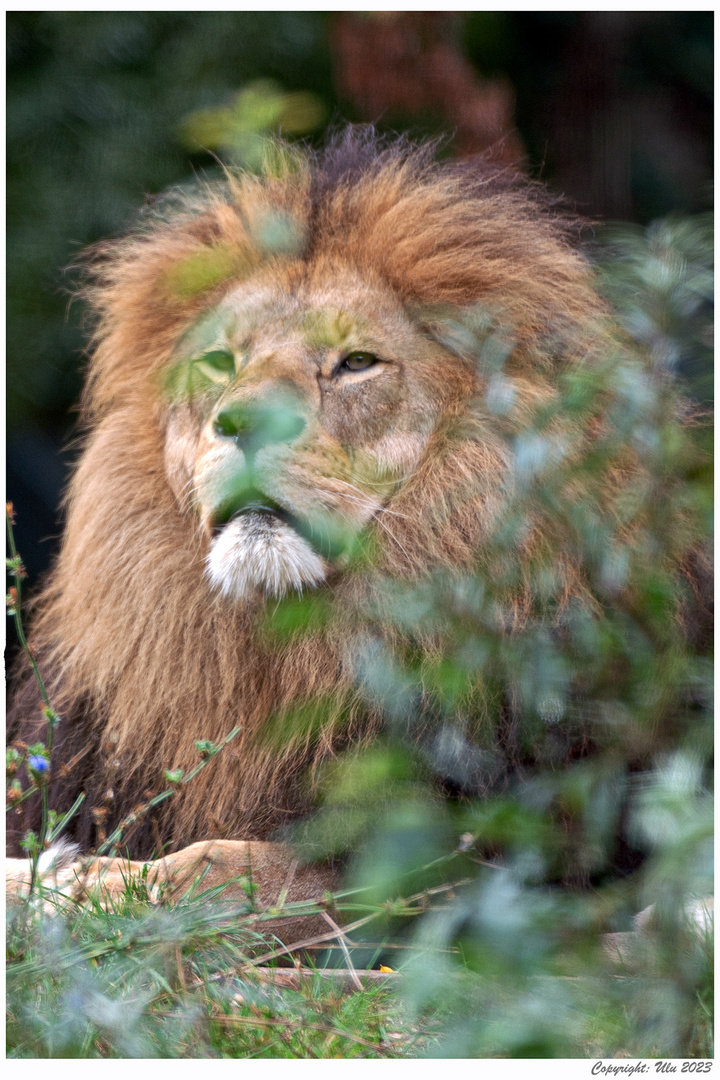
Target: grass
<point x="131" y="979"/>
<point x="126" y="977"/>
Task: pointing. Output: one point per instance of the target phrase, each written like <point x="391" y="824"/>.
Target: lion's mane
<point x="140" y="659"/>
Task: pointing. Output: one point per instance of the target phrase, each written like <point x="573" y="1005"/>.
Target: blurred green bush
<point x="595" y="762"/>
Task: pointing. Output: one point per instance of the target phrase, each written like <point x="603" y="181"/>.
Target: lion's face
<point x="298" y="409"/>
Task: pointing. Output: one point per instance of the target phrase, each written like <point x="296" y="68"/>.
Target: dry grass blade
<point x="341" y="939"/>
<point x="308" y="943"/>
<point x="409" y="908"/>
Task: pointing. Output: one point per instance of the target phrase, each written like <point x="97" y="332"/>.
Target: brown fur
<point x="232" y="871"/>
<point x="140" y="656"/>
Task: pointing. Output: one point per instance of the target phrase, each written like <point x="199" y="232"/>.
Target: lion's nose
<point x="255" y="424"/>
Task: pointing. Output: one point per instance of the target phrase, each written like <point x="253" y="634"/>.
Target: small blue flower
<point x="38" y="763"/>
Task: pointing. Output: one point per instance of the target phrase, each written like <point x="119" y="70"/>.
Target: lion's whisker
<point x="376" y="517"/>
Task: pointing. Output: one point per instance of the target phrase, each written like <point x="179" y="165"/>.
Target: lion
<point x="276" y="406"/>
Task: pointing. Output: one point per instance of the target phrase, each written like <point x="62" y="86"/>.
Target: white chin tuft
<point x="256" y="552"/>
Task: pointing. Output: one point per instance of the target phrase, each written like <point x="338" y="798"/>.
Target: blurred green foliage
<point x="243" y="129"/>
<point x="584" y="721"/>
<point x="661" y="282"/>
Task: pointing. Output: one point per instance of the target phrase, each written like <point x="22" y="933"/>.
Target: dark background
<point x="611" y="109"/>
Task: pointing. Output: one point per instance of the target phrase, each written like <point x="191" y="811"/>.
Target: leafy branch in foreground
<point x="38" y="760"/>
<point x="177" y="779"/>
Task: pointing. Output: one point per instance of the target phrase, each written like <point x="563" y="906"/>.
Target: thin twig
<point x="18" y="575"/>
<point x="308" y="942"/>
<point x="343" y="945"/>
<point x="289" y="877"/>
<point x="181" y="973"/>
<point x="18" y="572"/>
<point x="168" y="793"/>
<point x="321" y="939"/>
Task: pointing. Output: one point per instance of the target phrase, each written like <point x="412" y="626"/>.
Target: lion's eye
<point x="358" y="361"/>
<point x="218" y="365"/>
